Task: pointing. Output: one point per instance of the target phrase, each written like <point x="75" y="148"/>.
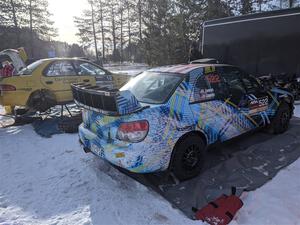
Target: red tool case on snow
<point x="221" y="211"/>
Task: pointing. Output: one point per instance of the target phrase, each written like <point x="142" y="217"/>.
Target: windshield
<point x="85" y="68"/>
<point x="30" y="68"/>
<point x="153" y="87"/>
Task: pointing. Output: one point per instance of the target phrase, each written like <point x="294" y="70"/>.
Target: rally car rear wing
<point x="103" y="100"/>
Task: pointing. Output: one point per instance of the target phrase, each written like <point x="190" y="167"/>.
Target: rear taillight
<point x="133" y="131"/>
<point x="7" y="87"/>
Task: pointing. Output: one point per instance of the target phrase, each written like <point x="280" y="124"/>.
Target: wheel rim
<point x="191" y="157"/>
<point x="284" y="119"/>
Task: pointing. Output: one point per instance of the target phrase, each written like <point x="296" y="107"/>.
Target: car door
<point x="93" y="73"/>
<point x="258" y="100"/>
<point x="58" y="77"/>
<point x="246" y="95"/>
<point x="213" y="112"/>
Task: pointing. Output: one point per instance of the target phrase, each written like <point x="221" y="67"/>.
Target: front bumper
<point x="126" y="155"/>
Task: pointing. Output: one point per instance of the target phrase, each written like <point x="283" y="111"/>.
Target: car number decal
<point x="213" y="78"/>
<point x="258" y="105"/>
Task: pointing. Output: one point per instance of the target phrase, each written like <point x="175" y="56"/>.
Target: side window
<point x="209" y="86"/>
<point x="251" y="84"/>
<point x="60" y="68"/>
<point x="217" y="83"/>
<point x="202" y="90"/>
<point x="85" y="68"/>
<point x="232" y="77"/>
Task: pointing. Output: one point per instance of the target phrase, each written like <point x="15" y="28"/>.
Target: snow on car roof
<point x="182" y="68"/>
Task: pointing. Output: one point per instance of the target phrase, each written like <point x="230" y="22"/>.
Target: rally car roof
<point x="64" y="58"/>
<point x="182" y="68"/>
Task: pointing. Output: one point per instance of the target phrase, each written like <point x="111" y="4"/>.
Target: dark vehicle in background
<point x="262" y="44"/>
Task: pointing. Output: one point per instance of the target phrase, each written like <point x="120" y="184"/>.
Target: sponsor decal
<point x="185" y="128"/>
<point x="98" y="150"/>
<point x="258" y="105"/>
<point x="209" y="69"/>
<point x="24" y="89"/>
<point x="206" y="94"/>
<point x="67" y="80"/>
<point x="120" y="155"/>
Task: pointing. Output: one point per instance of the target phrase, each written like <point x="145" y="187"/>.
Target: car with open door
<point x="166" y="117"/>
<point x="47" y="82"/>
<point x="17" y="58"/>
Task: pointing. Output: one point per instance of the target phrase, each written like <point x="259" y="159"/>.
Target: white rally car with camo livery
<point x="166" y="117"/>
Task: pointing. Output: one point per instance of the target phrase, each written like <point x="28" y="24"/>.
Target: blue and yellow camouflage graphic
<point x="216" y="119"/>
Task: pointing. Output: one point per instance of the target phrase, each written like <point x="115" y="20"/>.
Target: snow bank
<point x="277" y="202"/>
<point x="297" y="110"/>
<point x="51" y="181"/>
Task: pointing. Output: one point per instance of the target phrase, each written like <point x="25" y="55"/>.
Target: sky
<point x="63" y="15"/>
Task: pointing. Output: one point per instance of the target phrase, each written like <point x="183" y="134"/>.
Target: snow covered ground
<point x="51" y="181"/>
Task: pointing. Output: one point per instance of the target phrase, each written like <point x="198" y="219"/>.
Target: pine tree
<point x="39" y="19"/>
<point x="100" y="7"/>
<point x="11" y="12"/>
<point x="86" y="26"/>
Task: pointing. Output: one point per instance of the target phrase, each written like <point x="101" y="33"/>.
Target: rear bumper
<point x="3" y="101"/>
<point x="13" y="98"/>
<point x="126" y="155"/>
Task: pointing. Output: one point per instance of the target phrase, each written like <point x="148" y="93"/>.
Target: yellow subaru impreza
<point x="47" y="82"/>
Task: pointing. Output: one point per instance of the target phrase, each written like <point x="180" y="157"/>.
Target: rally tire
<point x="188" y="157"/>
<point x="41" y="100"/>
<point x="281" y="121"/>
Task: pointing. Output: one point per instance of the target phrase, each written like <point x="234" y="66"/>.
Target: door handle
<point x="49" y="82"/>
<point x="86" y="80"/>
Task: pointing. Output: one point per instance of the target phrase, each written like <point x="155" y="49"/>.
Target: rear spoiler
<point x="104" y="100"/>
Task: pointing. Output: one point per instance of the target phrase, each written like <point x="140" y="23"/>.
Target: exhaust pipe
<point x="86" y="150"/>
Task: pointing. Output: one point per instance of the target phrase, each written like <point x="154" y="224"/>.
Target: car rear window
<point x="153" y="87"/>
<point x="30" y="68"/>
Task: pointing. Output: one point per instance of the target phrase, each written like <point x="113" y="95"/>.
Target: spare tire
<point x="41" y="100"/>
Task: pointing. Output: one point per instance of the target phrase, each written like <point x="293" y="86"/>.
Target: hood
<point x="17" y="57"/>
<point x="105" y="101"/>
